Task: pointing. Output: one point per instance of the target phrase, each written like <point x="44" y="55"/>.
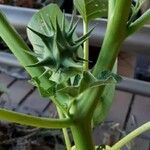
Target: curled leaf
<point x="91" y="9"/>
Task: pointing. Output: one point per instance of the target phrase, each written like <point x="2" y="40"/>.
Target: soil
<point x="16" y="137"/>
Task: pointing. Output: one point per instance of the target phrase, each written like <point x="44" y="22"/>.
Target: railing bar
<point x="138" y="43"/>
<point x="134" y="86"/>
<point x="128" y="85"/>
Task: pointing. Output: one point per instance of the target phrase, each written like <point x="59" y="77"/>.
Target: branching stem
<point x="131" y="136"/>
<point x="82" y="135"/>
<point x="138" y="24"/>
<point x="17" y="45"/>
<point x="86" y="47"/>
<point x="29" y="120"/>
<point x="65" y="132"/>
<point x="115" y="34"/>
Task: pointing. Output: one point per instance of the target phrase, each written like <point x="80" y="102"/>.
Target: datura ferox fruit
<point x="59" y="54"/>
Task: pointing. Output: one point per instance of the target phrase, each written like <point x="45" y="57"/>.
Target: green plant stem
<point x="59" y="105"/>
<point x="131" y="136"/>
<point x="88" y="103"/>
<point x="65" y="132"/>
<point x="111" y="8"/>
<point x="85" y="47"/>
<point x="139" y="23"/>
<point x="82" y="135"/>
<point x="115" y="34"/>
<point x="29" y="120"/>
<point x="18" y="46"/>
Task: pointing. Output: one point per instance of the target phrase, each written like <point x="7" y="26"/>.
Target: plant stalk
<point x="65" y="132"/>
<point x="115" y="34"/>
<point x="139" y="23"/>
<point x="18" y="46"/>
<point x="111" y="8"/>
<point x="82" y="135"/>
<point x="131" y="136"/>
<point x="88" y="103"/>
<point x="85" y="47"/>
<point x="29" y="120"/>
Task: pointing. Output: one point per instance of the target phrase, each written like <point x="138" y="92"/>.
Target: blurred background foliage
<point x="31" y="3"/>
<point x="63" y="4"/>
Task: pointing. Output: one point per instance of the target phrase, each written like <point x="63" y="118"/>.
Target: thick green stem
<point x="139" y="23"/>
<point x="29" y="120"/>
<point x="82" y="135"/>
<point x="65" y="132"/>
<point x="115" y="34"/>
<point x="88" y="103"/>
<point x="18" y="46"/>
<point x="131" y="136"/>
<point x="111" y="8"/>
<point x="86" y="47"/>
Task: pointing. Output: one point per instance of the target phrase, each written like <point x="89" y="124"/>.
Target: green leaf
<point x="43" y="22"/>
<point x="104" y="104"/>
<point x="91" y="9"/>
<point x="86" y="81"/>
<point x="71" y="91"/>
<point x="106" y="99"/>
<point x="108" y="74"/>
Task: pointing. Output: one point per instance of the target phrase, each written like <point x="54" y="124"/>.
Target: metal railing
<point x="138" y="43"/>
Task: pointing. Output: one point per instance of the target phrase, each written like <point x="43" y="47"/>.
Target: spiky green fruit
<point x="59" y="53"/>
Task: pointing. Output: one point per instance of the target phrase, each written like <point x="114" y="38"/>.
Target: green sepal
<point x="88" y="81"/>
<point x="72" y="30"/>
<point x="45" y="62"/>
<point x="84" y="37"/>
<point x="44" y="92"/>
<point x="32" y="53"/>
